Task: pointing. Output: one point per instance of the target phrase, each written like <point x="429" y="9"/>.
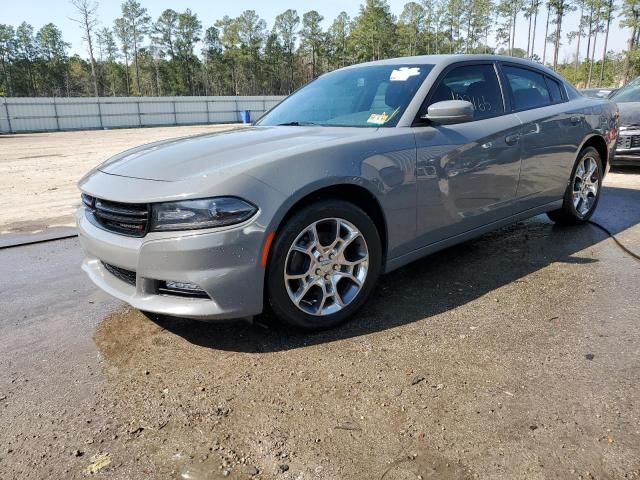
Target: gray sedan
<point x="358" y="173"/>
<point x="628" y="101"/>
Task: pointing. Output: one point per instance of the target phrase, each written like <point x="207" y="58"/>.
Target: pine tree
<point x="630" y="14"/>
<point x="137" y="22"/>
<point x="7" y="55"/>
<point x="286" y="28"/>
<point x="88" y="20"/>
<point x="313" y="39"/>
<point x="411" y="25"/>
<point x="373" y="32"/>
<point x="339" y="32"/>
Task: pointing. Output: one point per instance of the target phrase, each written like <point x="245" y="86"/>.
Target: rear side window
<point x="528" y="88"/>
<point x="477" y="84"/>
<point x="554" y="90"/>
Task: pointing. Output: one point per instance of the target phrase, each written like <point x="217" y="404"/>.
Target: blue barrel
<point x="245" y="116"/>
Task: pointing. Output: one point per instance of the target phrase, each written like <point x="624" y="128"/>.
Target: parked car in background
<point x="362" y="171"/>
<point x="628" y="101"/>
<point x="598" y="92"/>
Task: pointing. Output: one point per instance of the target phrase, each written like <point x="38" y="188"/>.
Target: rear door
<point x="550" y="134"/>
<point x="467" y="173"/>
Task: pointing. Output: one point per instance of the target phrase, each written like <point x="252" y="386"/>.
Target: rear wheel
<point x="583" y="192"/>
<point x="324" y="264"/>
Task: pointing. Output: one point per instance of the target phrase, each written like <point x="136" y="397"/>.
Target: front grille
<point x="626" y="142"/>
<point x="130" y="219"/>
<point x="126" y="276"/>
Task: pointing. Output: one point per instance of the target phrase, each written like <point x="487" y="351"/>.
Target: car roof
<point x="443" y="60"/>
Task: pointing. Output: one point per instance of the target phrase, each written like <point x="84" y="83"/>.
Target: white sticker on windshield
<point x="402" y="74"/>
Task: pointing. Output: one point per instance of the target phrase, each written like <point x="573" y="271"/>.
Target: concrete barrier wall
<point x="55" y="114"/>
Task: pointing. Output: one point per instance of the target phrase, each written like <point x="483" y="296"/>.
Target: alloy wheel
<point x="326" y="266"/>
<point x="585" y="185"/>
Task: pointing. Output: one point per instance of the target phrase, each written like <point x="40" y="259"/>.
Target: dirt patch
<point x="514" y="356"/>
<point x="39" y="172"/>
<point x="441" y="376"/>
<point x="36" y="226"/>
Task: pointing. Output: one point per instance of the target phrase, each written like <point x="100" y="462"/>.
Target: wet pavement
<point x="516" y="355"/>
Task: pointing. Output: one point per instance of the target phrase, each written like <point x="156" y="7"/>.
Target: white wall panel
<point x="46" y="114"/>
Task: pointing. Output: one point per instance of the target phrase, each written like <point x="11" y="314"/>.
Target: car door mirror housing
<point x="449" y="112"/>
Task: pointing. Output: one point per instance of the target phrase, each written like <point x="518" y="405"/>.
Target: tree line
<point x="175" y="54"/>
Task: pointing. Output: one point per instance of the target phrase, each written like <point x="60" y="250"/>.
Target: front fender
<point x="306" y="190"/>
<point x="383" y="164"/>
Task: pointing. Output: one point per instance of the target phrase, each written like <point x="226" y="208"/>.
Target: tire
<point x="329" y="283"/>
<point x="580" y="199"/>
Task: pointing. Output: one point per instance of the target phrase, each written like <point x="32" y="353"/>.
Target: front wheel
<point x="583" y="192"/>
<point x="323" y="266"/>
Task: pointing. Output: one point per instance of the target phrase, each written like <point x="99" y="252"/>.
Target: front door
<point x="467" y="173"/>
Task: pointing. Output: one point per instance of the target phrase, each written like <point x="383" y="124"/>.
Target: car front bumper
<point x="225" y="263"/>
<point x="628" y="147"/>
<point x="623" y="158"/>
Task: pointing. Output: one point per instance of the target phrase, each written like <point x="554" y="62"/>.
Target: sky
<point x="41" y="12"/>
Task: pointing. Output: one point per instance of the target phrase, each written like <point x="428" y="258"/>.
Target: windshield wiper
<point x="297" y="124"/>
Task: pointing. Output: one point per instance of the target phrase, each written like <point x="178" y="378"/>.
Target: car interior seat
<point x="529" y="98"/>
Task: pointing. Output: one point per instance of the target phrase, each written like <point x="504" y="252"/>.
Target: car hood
<point x="629" y="114"/>
<point x="225" y="153"/>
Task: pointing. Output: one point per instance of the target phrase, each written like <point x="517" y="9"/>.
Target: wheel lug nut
<point x="327" y="277"/>
<point x="320" y="258"/>
<point x="336" y="267"/>
<point x="318" y="272"/>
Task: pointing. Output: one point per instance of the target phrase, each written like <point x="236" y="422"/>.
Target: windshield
<point x="374" y="96"/>
<point x="628" y="93"/>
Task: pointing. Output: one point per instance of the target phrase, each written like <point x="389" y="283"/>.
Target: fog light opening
<point x="181" y="289"/>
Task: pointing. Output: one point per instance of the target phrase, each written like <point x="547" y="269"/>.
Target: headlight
<point x="194" y="214"/>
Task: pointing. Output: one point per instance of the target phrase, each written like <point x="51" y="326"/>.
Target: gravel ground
<point x="513" y="356"/>
<point x="39" y="172"/>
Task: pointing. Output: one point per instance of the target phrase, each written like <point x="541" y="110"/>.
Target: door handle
<point x="575" y="119"/>
<point x="512" y="139"/>
<point x="533" y="130"/>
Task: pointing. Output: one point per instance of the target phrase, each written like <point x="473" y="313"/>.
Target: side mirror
<point x="449" y="112"/>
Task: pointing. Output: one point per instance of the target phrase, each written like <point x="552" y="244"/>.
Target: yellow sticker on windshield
<point x="378" y="118"/>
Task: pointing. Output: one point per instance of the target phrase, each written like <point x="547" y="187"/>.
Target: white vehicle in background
<point x="598" y="92"/>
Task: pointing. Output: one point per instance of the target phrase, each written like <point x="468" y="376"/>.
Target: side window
<point x="554" y="90"/>
<point x="528" y="88"/>
<point x="477" y="84"/>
